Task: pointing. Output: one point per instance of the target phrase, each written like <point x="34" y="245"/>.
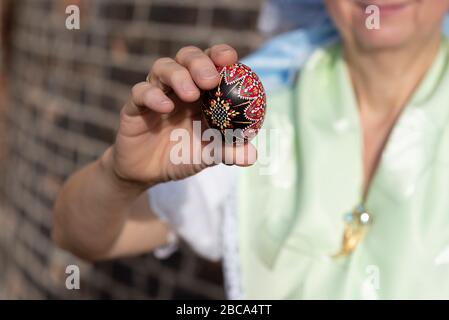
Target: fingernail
<point x="165" y="101"/>
<point x="225" y="50"/>
<point x="208" y="74"/>
<point x="188" y="87"/>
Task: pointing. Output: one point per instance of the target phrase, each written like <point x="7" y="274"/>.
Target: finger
<point x="145" y="96"/>
<point x="242" y="155"/>
<point x="167" y="72"/>
<point x="200" y="66"/>
<point x="222" y="55"/>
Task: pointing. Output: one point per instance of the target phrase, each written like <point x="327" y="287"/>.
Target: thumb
<point x="242" y="155"/>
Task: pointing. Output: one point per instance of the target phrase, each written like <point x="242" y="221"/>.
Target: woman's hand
<point x="169" y="101"/>
<point x="102" y="210"/>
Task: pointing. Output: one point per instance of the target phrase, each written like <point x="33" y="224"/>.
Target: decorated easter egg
<point x="236" y="107"/>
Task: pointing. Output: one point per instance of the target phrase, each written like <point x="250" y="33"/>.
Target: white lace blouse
<point x="202" y="211"/>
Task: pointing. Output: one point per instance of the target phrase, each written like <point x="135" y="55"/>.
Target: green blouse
<point x="291" y="220"/>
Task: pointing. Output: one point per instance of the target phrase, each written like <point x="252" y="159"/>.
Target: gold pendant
<point x="356" y="226"/>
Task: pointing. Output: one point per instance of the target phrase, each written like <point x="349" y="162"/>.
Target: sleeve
<point x="194" y="208"/>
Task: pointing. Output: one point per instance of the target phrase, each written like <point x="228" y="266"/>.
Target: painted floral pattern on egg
<point x="237" y="105"/>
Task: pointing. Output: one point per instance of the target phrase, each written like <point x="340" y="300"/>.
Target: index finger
<point x="222" y="55"/>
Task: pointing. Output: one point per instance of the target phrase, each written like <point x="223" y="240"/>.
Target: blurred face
<point x="402" y="22"/>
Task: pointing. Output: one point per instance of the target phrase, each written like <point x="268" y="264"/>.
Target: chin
<point x="386" y="38"/>
<point x="398" y="27"/>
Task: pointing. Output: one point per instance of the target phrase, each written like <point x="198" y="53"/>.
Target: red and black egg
<point x="237" y="106"/>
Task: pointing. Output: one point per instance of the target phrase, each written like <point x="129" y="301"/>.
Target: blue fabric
<point x="282" y="15"/>
<point x="278" y="61"/>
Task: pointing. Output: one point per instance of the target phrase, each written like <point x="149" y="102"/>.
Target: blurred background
<point x="60" y="94"/>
